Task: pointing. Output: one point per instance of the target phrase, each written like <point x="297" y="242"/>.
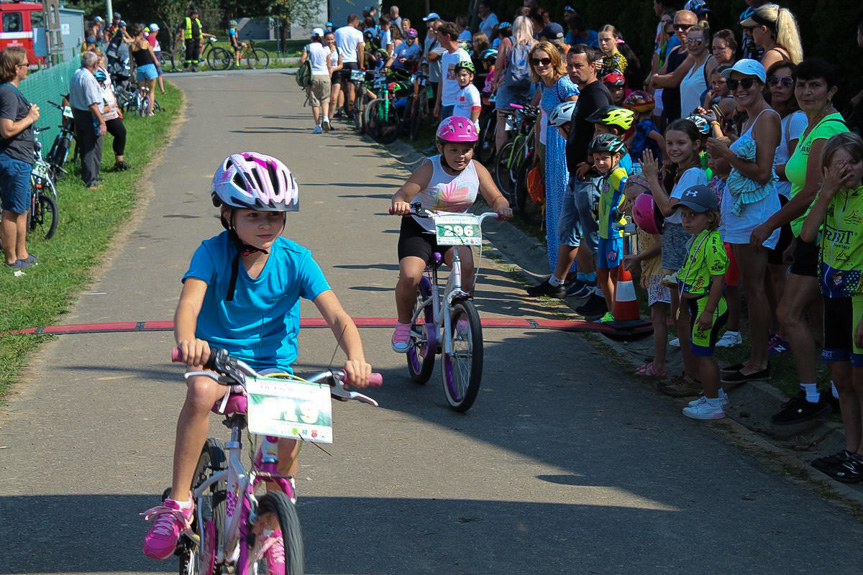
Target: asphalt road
<point x="565" y="465"/>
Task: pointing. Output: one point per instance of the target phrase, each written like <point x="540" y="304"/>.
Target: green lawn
<point x="89" y="220"/>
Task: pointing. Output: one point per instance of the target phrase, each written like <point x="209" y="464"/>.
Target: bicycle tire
<point x="43" y="216"/>
<point x="528" y="211"/>
<point x="263" y="57"/>
<point x="485" y="151"/>
<point x="359" y="113"/>
<point x="462" y="369"/>
<point x="278" y="505"/>
<point x="421" y="353"/>
<point x="219" y="59"/>
<point x="252" y="60"/>
<point x="201" y="559"/>
<point x="383" y="121"/>
<point x="501" y="170"/>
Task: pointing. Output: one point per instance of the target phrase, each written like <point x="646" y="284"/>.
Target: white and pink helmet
<point x="457" y="129"/>
<point x="256" y="182"/>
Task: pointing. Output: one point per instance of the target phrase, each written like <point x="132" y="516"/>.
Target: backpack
<point x="517" y="75"/>
<point x="304" y="73"/>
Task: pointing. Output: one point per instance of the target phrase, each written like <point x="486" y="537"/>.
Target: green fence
<point x="47" y="85"/>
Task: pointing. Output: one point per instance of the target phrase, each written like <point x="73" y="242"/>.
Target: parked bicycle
<point x="419" y="104"/>
<point x="228" y="529"/>
<point x="216" y="57"/>
<point x="58" y="155"/>
<point x="44" y="215"/>
<point x="381" y="117"/>
<point x="515" y="159"/>
<point x="445" y="320"/>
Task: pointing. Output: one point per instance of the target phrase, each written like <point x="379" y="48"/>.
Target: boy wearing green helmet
<point x="468" y="102"/>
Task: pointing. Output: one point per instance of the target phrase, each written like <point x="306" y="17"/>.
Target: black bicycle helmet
<point x="605" y="143"/>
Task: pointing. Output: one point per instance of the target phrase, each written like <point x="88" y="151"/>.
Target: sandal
<point x="649" y="370"/>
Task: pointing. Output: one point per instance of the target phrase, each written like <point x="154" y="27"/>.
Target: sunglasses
<point x="540" y="61"/>
<point x="786" y="81"/>
<point x="745" y="83"/>
<point x="695" y="41"/>
<point x="683" y="26"/>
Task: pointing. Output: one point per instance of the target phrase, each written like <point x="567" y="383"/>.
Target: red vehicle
<point x="17" y="21"/>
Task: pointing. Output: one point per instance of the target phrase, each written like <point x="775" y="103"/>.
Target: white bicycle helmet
<point x="256" y="182"/>
<point x="562" y="113"/>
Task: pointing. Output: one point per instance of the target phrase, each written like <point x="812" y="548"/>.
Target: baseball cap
<point x="552" y="31"/>
<point x="154" y="27"/>
<point x="98" y="19"/>
<point x="698" y="198"/>
<point x="117" y="16"/>
<point x="568" y="9"/>
<point x="432" y="16"/>
<point x="747" y="67"/>
<point x="317" y="32"/>
<point x="698" y="6"/>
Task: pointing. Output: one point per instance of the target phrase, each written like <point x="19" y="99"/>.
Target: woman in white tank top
<point x="448" y="182"/>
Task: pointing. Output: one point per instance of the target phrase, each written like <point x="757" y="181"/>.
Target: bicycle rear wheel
<point x="485" y="149"/>
<point x="462" y="369"/>
<point x="219" y="59"/>
<point x="43" y="216"/>
<point x="383" y="122"/>
<point x="530" y="212"/>
<point x="502" y="164"/>
<point x="421" y="353"/>
<point x="210" y="507"/>
<point x="276" y="508"/>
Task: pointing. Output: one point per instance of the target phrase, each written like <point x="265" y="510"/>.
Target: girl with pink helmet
<point x="242" y="291"/>
<point x="448" y="182"/>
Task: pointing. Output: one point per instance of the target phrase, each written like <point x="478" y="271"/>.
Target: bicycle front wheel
<point x="253" y="60"/>
<point x="44" y="216"/>
<point x="383" y="121"/>
<point x="462" y="369"/>
<point x="421" y="353"/>
<point x="261" y="57"/>
<point x="275" y="508"/>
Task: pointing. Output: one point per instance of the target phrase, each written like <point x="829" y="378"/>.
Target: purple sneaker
<point x="778" y="345"/>
<point x="273" y="551"/>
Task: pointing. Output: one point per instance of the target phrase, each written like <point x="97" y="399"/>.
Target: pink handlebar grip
<point x="375" y="380"/>
<point x="392" y="211"/>
<point x="175" y="355"/>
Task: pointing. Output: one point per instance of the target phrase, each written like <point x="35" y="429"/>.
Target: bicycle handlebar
<point x="418" y="210"/>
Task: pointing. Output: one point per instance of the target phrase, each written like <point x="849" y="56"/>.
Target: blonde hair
<point x="522" y="31"/>
<point x="848" y="141"/>
<point x="784" y="29"/>
<point x="558" y="68"/>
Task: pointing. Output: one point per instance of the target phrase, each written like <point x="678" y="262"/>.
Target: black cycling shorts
<point x="806" y="258"/>
<point x="344" y="75"/>
<point x="786" y="236"/>
<point x="415" y="241"/>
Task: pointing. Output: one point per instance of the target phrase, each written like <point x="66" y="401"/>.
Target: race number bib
<point x="357" y="75"/>
<point x="457" y="230"/>
<point x="290" y="408"/>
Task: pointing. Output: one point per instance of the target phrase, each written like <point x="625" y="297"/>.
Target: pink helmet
<point x="457" y="129"/>
<point x="255" y="181"/>
<point x="644" y="213"/>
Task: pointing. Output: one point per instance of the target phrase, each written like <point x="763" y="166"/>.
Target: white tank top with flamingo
<point x="446" y="193"/>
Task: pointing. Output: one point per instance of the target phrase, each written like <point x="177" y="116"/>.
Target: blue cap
<point x="747" y="67"/>
<point x="699" y="199"/>
<point x="552" y="31"/>
<point x="431" y="16"/>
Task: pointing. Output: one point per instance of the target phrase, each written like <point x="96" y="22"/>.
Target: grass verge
<point x="89" y="222"/>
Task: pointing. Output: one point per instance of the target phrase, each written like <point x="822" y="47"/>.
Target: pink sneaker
<point x="169" y="520"/>
<point x="401" y="341"/>
<point x="273" y="550"/>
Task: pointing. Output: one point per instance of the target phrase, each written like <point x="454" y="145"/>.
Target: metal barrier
<point x="48" y="84"/>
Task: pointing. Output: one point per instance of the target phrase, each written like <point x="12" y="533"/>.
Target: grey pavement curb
<point x="752" y="404"/>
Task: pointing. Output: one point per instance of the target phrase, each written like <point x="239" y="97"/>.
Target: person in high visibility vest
<point x="193" y="35"/>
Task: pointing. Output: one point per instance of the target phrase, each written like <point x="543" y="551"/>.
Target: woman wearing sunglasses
<point x="749" y="199"/>
<point x="774" y="30"/>
<point x="555" y="86"/>
<point x="816" y="85"/>
<point x="694" y="84"/>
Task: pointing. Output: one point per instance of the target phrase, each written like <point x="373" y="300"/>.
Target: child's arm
<point x="193" y="351"/>
<point x="401" y="202"/>
<point x="705" y="320"/>
<point x="832" y="182"/>
<point x="347" y="335"/>
<point x="650" y="169"/>
<point x="657" y="137"/>
<point x="491" y="194"/>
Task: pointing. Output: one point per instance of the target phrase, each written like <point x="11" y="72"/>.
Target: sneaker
<point x="704" y="409"/>
<point x="798" y="409"/>
<point x="121" y="166"/>
<point x="608" y="317"/>
<point x="778" y="345"/>
<point x="850" y="471"/>
<point x="169" y="520"/>
<point x="593" y="307"/>
<point x="723" y="399"/>
<point x="326" y="125"/>
<point x="31" y="259"/>
<point x="19" y="265"/>
<point x="681" y="386"/>
<point x="674" y="342"/>
<point x="729" y="339"/>
<point x="337" y="115"/>
<point x="825" y="463"/>
<point x="737" y="378"/>
<point x="580" y="289"/>
<point x="273" y="551"/>
<point x="462" y="327"/>
<point x="545" y="288"/>
<point x="317" y="130"/>
<point x="401" y="341"/>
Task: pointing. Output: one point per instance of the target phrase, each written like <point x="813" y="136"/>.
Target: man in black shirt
<point x="577" y="226"/>
<point x="17" y="143"/>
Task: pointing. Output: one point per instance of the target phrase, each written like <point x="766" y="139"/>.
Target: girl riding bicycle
<point x="242" y="293"/>
<point x="447" y="182"/>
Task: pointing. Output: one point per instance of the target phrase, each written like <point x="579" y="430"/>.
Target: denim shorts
<point x="147" y="72"/>
<point x="446" y="112"/>
<point x="14" y="184"/>
<point x="576" y="222"/>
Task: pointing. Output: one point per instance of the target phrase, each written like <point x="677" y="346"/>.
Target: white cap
<point x="154" y="27"/>
<point x="747" y="67"/>
<point x="317" y="32"/>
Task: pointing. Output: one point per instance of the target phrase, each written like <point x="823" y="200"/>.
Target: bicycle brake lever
<point x="340" y="393"/>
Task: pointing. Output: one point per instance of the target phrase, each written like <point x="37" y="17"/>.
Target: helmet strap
<point x="243" y="249"/>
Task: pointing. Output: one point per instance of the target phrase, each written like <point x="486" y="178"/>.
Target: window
<point x="36" y="18"/>
<point x="12" y="22"/>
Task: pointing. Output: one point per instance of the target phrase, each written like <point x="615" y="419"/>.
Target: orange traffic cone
<point x="626" y="316"/>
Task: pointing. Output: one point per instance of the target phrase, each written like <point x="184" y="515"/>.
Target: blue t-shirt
<point x="260" y="325"/>
<point x="642" y="141"/>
